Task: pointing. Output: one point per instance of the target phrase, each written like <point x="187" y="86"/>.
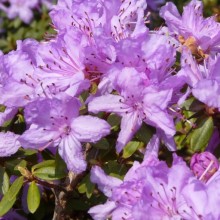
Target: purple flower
<point x="82" y="15"/>
<point x="163" y="194"/>
<point x="136" y="102"/>
<point x="204" y="165"/>
<point x="114" y="19"/>
<point x="152" y="190"/>
<point x="129" y="21"/>
<point x="9" y="144"/>
<point x="200" y="34"/>
<point x="18" y="81"/>
<point x="61" y="126"/>
<point x="61" y="66"/>
<point x="122" y="195"/>
<point x="204" y="79"/>
<point x="20" y="8"/>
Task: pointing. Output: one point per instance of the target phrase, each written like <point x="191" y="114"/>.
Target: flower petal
<point x="160" y="119"/>
<point x="105" y="183"/>
<point x="9" y="144"/>
<point x="90" y="129"/>
<point x="38" y="138"/>
<point x="129" y="125"/>
<point x="101" y="212"/>
<point x="107" y="103"/>
<point x="8" y="114"/>
<point x="71" y="151"/>
<point x="207" y="91"/>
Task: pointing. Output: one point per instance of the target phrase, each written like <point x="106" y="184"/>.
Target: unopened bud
<point x="204" y="165"/>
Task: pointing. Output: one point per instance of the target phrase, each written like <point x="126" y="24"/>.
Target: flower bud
<point x="204" y="165"/>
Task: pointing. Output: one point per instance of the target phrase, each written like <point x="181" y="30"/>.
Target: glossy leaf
<point x="46" y="163"/>
<point x="4" y="181"/>
<point x="202" y="134"/>
<point x="86" y="186"/>
<point x="102" y="144"/>
<point x="130" y="148"/>
<point x="10" y="196"/>
<point x="33" y="197"/>
<point x="48" y="173"/>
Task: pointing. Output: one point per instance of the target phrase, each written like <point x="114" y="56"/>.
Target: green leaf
<point x="47" y="163"/>
<point x="145" y="133"/>
<point x="23" y="164"/>
<point x="202" y="134"/>
<point x="102" y="144"/>
<point x="10" y="196"/>
<point x="50" y="169"/>
<point x="86" y="186"/>
<point x="13" y="164"/>
<point x="33" y="197"/>
<point x="186" y="105"/>
<point x="60" y="166"/>
<point x="130" y="148"/>
<point x="114" y="120"/>
<point x="47" y="173"/>
<point x="4" y="181"/>
<point x="113" y="168"/>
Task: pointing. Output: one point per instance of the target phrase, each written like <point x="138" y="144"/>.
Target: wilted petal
<point x="9" y="144"/>
<point x="105" y="183"/>
<point x="90" y="129"/>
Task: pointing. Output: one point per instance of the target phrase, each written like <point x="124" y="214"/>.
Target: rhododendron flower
<point x="136" y="102"/>
<point x="200" y="34"/>
<point x="22" y="8"/>
<point x="116" y="19"/>
<point x="204" y="165"/>
<point x="152" y="190"/>
<point x="122" y="195"/>
<point x="9" y="144"/>
<point x="61" y="66"/>
<point x="204" y="79"/>
<point x="18" y="81"/>
<point x="60" y="125"/>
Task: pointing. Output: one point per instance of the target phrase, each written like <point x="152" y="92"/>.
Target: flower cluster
<point x="105" y="60"/>
<point x="22" y="8"/>
<point x="152" y="190"/>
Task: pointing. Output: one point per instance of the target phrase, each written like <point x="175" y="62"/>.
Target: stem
<point x="62" y="196"/>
